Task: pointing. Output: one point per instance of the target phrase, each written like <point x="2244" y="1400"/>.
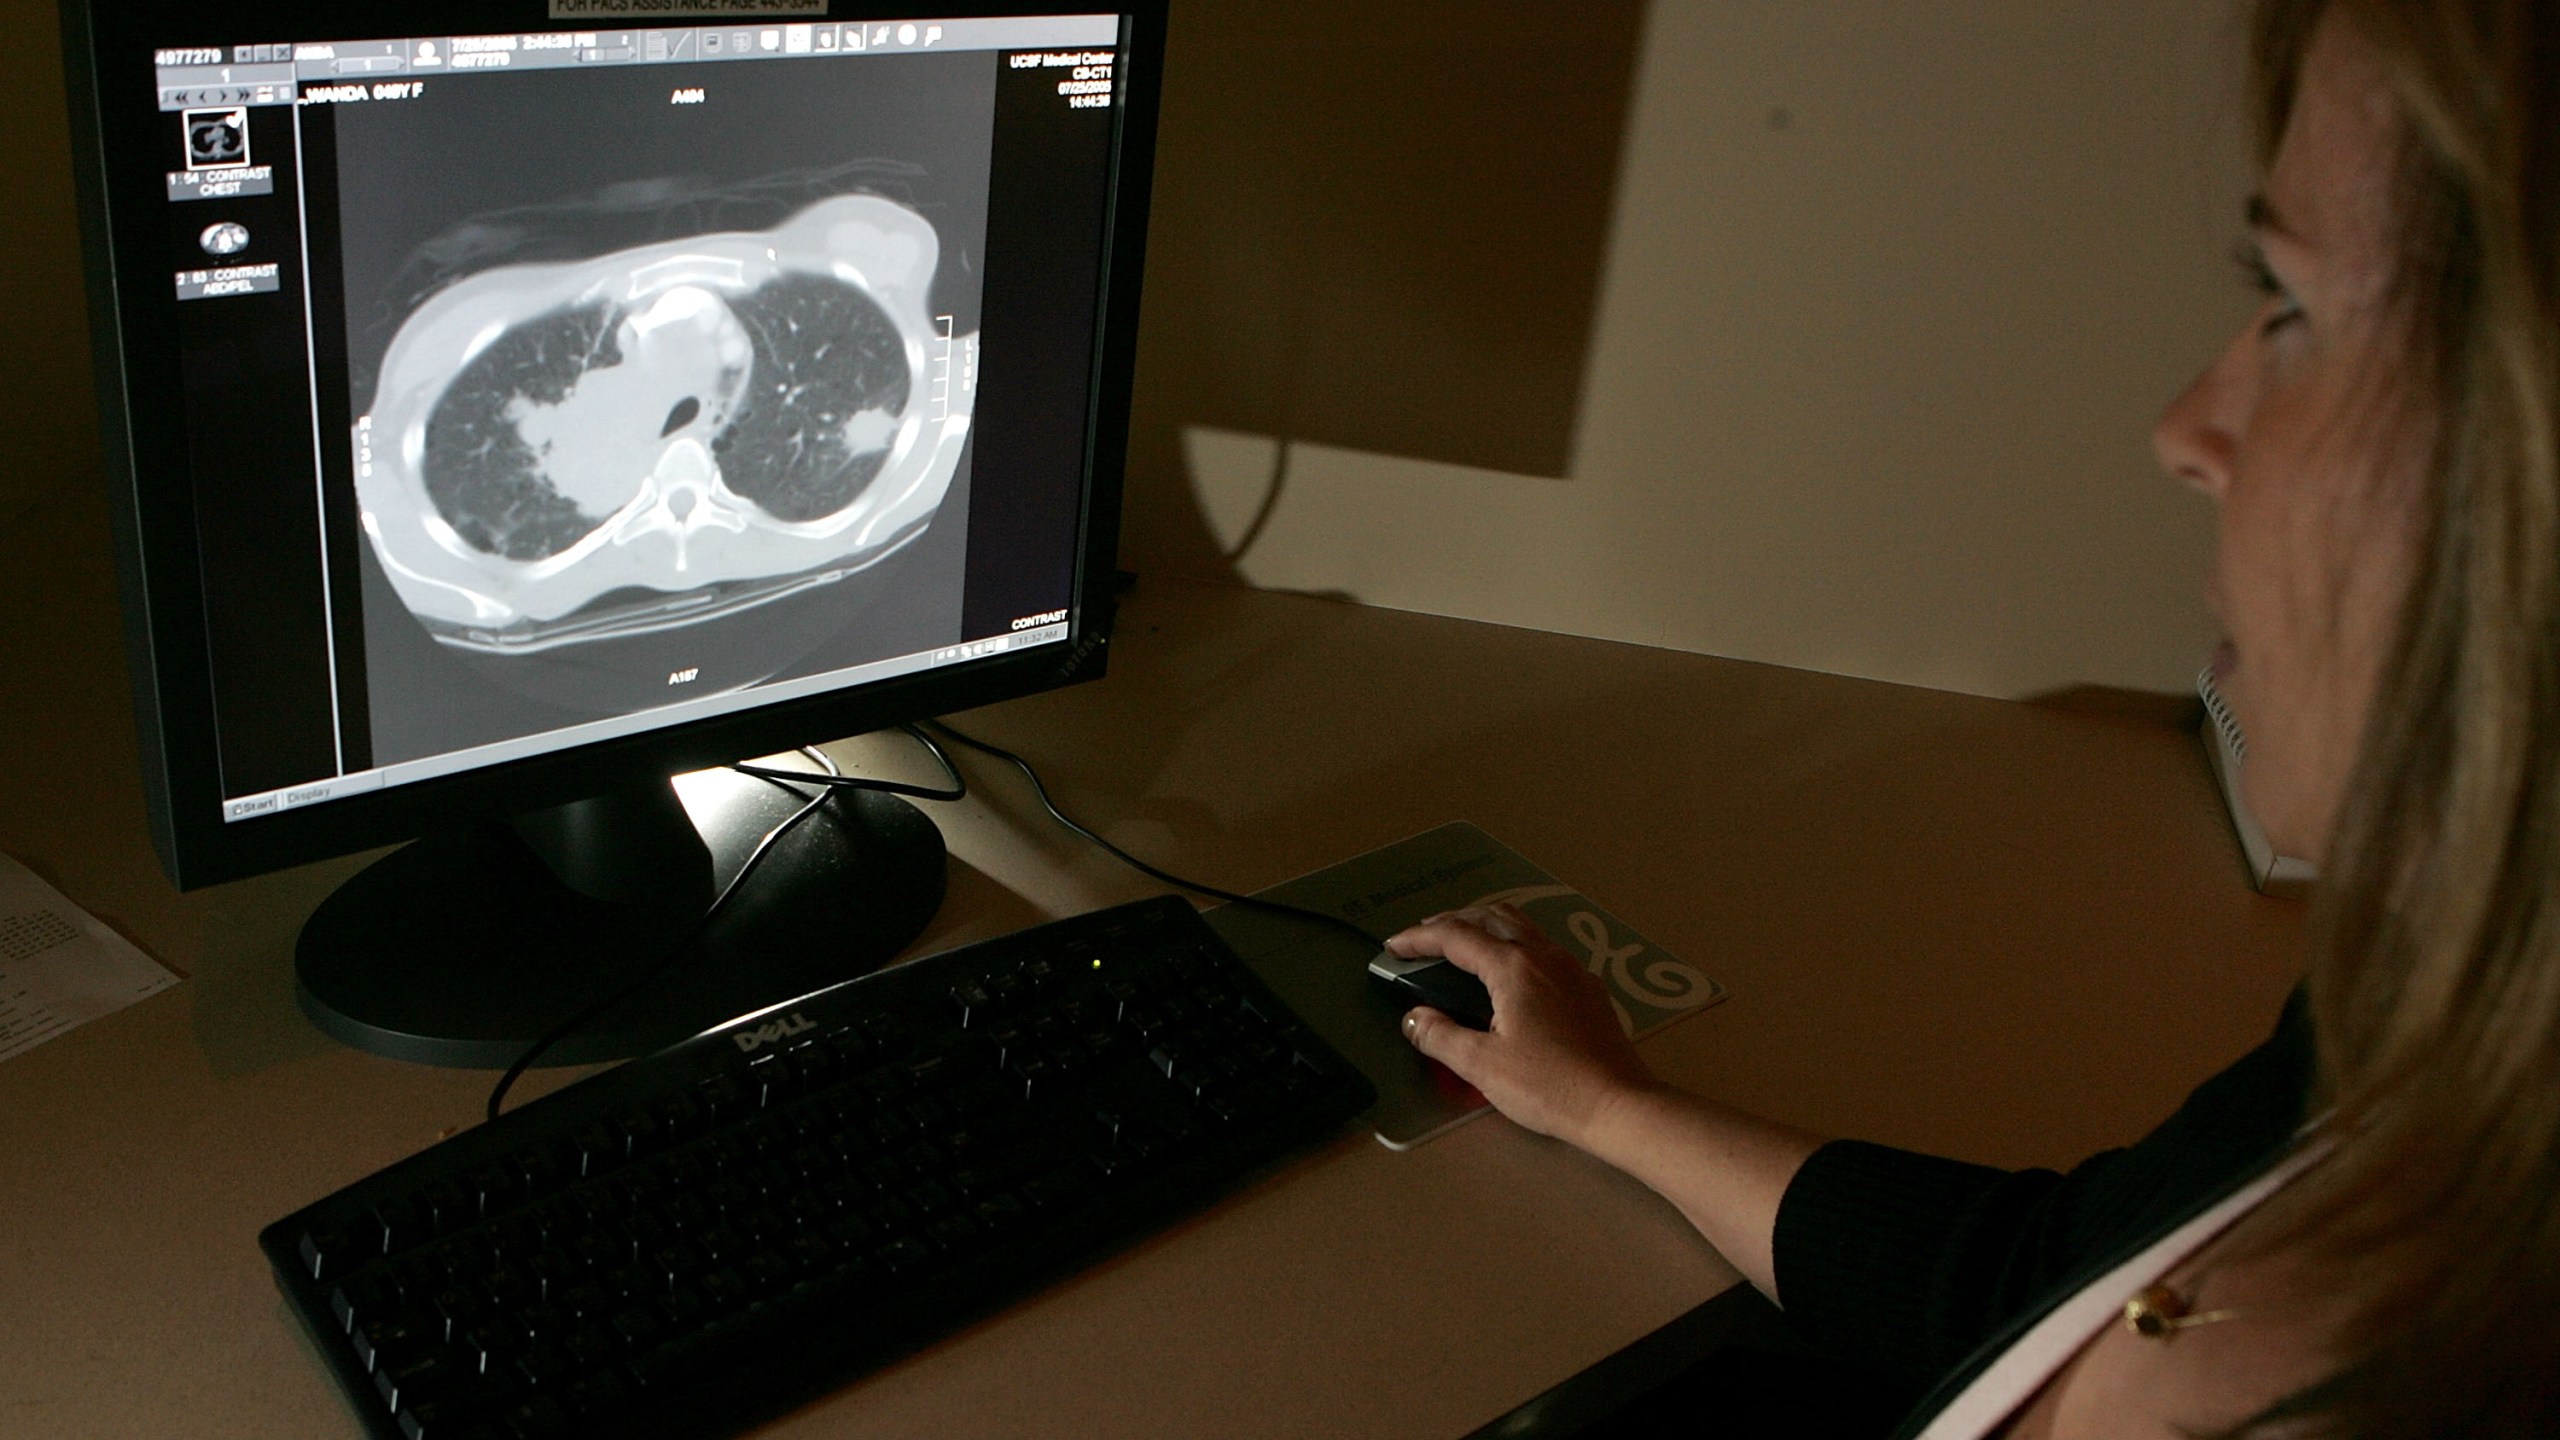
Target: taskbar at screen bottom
<point x="272" y="802"/>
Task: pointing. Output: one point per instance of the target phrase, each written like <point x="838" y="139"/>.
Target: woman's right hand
<point x="1556" y="1058"/>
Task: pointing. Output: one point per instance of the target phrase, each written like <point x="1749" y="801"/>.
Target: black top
<point x="1926" y="1269"/>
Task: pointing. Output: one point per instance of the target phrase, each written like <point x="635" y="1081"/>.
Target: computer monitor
<point x="510" y="406"/>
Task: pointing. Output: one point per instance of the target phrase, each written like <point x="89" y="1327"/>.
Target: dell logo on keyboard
<point x="773" y="1032"/>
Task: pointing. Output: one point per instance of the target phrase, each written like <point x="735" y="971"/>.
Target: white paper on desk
<point x="60" y="966"/>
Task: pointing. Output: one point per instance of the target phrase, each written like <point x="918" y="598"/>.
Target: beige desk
<point x="2009" y="932"/>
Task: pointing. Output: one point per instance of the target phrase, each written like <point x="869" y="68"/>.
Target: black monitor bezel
<point x="107" y="56"/>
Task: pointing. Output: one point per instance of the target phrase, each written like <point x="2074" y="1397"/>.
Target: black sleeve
<point x="1907" y="1263"/>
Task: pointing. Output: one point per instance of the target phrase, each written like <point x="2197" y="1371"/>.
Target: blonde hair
<point x="2435" y="978"/>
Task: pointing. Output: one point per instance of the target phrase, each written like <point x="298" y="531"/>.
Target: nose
<point x="2197" y="438"/>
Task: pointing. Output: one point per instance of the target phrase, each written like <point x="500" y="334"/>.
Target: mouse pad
<point x="1324" y="973"/>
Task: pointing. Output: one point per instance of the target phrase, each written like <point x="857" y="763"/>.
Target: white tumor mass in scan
<point x="608" y="434"/>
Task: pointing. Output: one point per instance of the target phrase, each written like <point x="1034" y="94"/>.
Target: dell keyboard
<point x="697" y="1240"/>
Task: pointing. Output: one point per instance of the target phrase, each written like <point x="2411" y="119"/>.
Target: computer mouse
<point x="1433" y="981"/>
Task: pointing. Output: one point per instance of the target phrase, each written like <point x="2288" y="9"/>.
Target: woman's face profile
<point x="2312" y="447"/>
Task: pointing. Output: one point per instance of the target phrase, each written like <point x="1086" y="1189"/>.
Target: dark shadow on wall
<point x="48" y="409"/>
<point x="1376" y="226"/>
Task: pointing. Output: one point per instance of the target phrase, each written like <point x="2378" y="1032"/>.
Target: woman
<point x="2356" y="1229"/>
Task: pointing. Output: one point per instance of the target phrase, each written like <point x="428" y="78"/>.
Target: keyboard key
<point x="905" y="1256"/>
<point x="599" y="1396"/>
<point x="543" y="1319"/>
<point x="812" y="1064"/>
<point x="390" y="1336"/>
<point x="327" y="1252"/>
<point x="540" y="1418"/>
<point x="408" y="1378"/>
<point x="685" y="1309"/>
<point x="365" y="1295"/>
<point x="769" y="1081"/>
<point x="488" y="1347"/>
<point x="679" y="1118"/>
<point x="509" y="1287"/>
<point x="641" y="1133"/>
<point x="594" y="1149"/>
<point x="1000" y="1212"/>
<point x="954" y="1234"/>
<point x="404" y="1224"/>
<point x="850" y="1233"/>
<point x="723" y="1288"/>
<point x="600" y="1248"/>
<point x="809" y="1252"/>
<point x="1035" y="1075"/>
<point x="543" y="1364"/>
<point x="460" y="1310"/>
<point x="848" y="1045"/>
<point x="767" y="1269"/>
<point x="496" y="1189"/>
<point x="590" y="1344"/>
<point x="544" y="1170"/>
<point x="448" y="1419"/>
<point x="1008" y="988"/>
<point x="1057" y="1191"/>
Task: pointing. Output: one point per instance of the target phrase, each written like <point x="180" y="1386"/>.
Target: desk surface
<point x="2009" y="932"/>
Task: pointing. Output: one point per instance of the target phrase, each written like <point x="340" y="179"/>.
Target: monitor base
<point x="462" y="949"/>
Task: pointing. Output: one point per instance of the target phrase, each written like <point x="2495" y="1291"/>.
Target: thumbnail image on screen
<point x="661" y="378"/>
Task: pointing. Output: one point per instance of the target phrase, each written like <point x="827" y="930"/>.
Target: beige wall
<point x="1891" y="294"/>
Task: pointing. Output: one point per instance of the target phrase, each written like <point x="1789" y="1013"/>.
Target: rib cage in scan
<point x="565" y="452"/>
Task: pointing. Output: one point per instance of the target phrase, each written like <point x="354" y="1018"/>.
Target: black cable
<point x="957" y="790"/>
<point x="827" y="783"/>
<point x="1141" y="866"/>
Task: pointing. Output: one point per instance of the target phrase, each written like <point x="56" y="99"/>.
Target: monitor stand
<point x="464" y="948"/>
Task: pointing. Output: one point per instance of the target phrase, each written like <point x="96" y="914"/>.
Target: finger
<point x="1495" y="920"/>
<point x="1471" y="916"/>
<point x="1408" y="942"/>
<point x="1462" y="944"/>
<point x="1444" y="1040"/>
<point x="1430" y="935"/>
<point x="1522" y="927"/>
<point x="1415" y="939"/>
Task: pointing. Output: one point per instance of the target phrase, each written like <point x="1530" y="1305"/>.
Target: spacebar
<point x="790" y="1329"/>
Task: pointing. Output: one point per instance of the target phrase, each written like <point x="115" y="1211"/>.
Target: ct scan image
<point x="662" y="380"/>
